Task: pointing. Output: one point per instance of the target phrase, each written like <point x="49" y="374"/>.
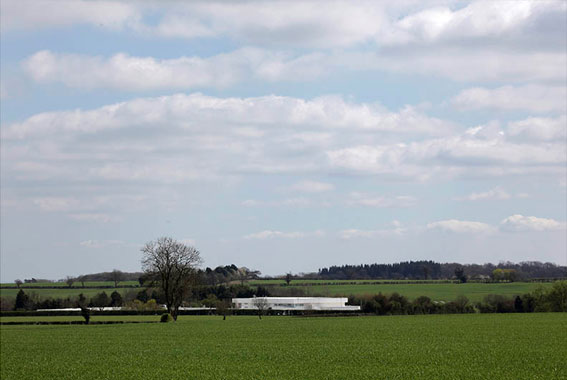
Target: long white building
<point x="294" y="303"/>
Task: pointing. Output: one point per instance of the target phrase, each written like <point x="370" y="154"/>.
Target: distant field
<point x="63" y="292"/>
<point x="300" y="282"/>
<point x="435" y="291"/>
<point x="478" y="346"/>
<point x="76" y="284"/>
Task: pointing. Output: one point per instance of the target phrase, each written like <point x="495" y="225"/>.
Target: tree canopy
<point x="175" y="265"/>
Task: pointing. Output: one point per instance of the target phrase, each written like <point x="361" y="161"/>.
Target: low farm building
<point x="294" y="303"/>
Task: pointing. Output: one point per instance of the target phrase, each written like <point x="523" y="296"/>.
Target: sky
<point x="281" y="136"/>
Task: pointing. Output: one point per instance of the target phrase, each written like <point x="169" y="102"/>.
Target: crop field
<point x="495" y="346"/>
<point x="94" y="318"/>
<point x="435" y="291"/>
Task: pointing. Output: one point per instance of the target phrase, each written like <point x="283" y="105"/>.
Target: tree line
<point x="553" y="299"/>
<point x="171" y="273"/>
<point x="433" y="270"/>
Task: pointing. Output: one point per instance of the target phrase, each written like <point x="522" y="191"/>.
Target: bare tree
<point x="175" y="265"/>
<point x="116" y="276"/>
<point x="222" y="307"/>
<point x="69" y="281"/>
<point x="245" y="274"/>
<point x="261" y="303"/>
<point x="18" y="283"/>
<point x="81" y="279"/>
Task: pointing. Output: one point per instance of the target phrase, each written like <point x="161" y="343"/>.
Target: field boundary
<point x="72" y="322"/>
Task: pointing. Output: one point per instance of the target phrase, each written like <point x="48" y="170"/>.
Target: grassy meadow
<point x="477" y="346"/>
<point x="433" y="290"/>
<point x="64" y="292"/>
<point x="75" y="284"/>
<point x="437" y="291"/>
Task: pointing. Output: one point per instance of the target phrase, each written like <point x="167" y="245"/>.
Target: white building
<point x="294" y="303"/>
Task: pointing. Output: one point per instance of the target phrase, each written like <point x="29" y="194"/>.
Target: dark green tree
<point x="22" y="301"/>
<point x="460" y="274"/>
<point x="85" y="311"/>
<point x="100" y="300"/>
<point x="116" y="299"/>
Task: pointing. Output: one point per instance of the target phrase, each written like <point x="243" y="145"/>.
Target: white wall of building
<point x="294" y="303"/>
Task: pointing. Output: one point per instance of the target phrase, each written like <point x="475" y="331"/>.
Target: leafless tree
<point x="175" y="265"/>
<point x="223" y="306"/>
<point x="81" y="279"/>
<point x="18" y="283"/>
<point x="116" y="276"/>
<point x="261" y="303"/>
<point x="245" y="274"/>
<point x="69" y="281"/>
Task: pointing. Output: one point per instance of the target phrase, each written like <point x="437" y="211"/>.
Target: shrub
<point x="166" y="318"/>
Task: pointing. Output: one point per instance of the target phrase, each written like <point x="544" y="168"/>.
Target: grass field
<point x="64" y="292"/>
<point x="75" y="284"/>
<point x="436" y="291"/>
<point x="94" y="318"/>
<point x="300" y="282"/>
<point x="495" y="346"/>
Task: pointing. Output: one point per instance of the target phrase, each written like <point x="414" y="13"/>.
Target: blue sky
<point x="282" y="136"/>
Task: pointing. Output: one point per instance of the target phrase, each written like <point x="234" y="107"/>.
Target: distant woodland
<point x="527" y="270"/>
<point x="411" y="270"/>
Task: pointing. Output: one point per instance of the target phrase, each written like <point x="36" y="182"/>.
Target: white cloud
<point x="29" y="14"/>
<point x="307" y="23"/>
<point x="460" y="226"/>
<point x="129" y="73"/>
<point x="396" y="231"/>
<point x="539" y="128"/>
<point x="532" y="98"/>
<point x="470" y="65"/>
<point x="364" y="199"/>
<point x="191" y="112"/>
<point x="270" y="234"/>
<point x="289" y="202"/>
<point x="124" y="72"/>
<point x="519" y="223"/>
<point x="497" y="193"/>
<point x="93" y="217"/>
<point x="479" y="19"/>
<point x="182" y="138"/>
<point x="312" y="187"/>
<point x="483" y="149"/>
<point x="512" y="41"/>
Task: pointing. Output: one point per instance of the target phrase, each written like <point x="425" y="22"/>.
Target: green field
<point x="65" y="292"/>
<point x="76" y="284"/>
<point x="94" y="318"/>
<point x="301" y="282"/>
<point x="478" y="346"/>
<point x="435" y="291"/>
